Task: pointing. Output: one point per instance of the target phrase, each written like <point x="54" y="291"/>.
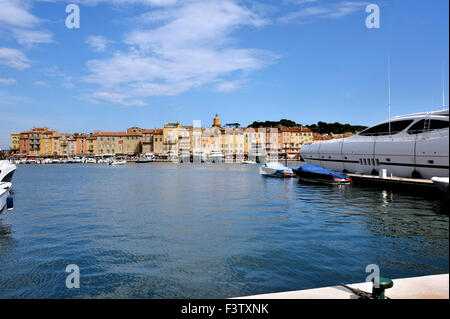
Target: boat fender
<point x="9" y="203"/>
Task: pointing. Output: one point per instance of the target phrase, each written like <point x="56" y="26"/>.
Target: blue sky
<point x="148" y="62"/>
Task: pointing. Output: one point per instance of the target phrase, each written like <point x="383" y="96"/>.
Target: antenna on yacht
<point x="443" y="86"/>
<point x="389" y="93"/>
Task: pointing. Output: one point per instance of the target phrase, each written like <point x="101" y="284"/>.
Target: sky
<point x="149" y="62"/>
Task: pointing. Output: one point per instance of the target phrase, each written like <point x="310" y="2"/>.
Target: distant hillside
<point x="320" y="127"/>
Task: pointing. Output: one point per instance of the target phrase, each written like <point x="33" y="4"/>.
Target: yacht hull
<point x="403" y="155"/>
<point x="7" y="171"/>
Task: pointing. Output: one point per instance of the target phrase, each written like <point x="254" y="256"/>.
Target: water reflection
<point x="162" y="230"/>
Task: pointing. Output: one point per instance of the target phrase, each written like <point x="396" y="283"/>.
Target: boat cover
<point x="316" y="169"/>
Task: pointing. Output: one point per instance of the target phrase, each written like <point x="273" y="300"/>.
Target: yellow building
<point x="170" y="135"/>
<point x="15" y="143"/>
<point x="56" y="144"/>
<point x="233" y="142"/>
<point x="255" y="140"/>
<point x="91" y="145"/>
<point x="295" y="137"/>
<point x="46" y="145"/>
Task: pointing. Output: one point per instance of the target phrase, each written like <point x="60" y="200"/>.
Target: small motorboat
<point x="5" y="198"/>
<point x="276" y="169"/>
<point x="117" y="163"/>
<point x="317" y="174"/>
<point x="248" y="162"/>
<point x="442" y="184"/>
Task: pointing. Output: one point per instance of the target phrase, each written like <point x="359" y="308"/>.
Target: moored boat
<point x="414" y="145"/>
<point x="276" y="169"/>
<point x="117" y="162"/>
<point x="317" y="174"/>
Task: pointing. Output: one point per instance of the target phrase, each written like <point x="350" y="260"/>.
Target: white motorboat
<point x="216" y="156"/>
<point x="198" y="156"/>
<point x="415" y="145"/>
<point x="7" y="169"/>
<point x="442" y="184"/>
<point x="276" y="169"/>
<point x="4" y="194"/>
<point x="117" y="163"/>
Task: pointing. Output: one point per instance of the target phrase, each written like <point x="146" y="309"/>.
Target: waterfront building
<point x="293" y="138"/>
<point x="56" y="144"/>
<point x="255" y="141"/>
<point x="233" y="143"/>
<point x="24" y="143"/>
<point x="64" y="145"/>
<point x="91" y="144"/>
<point x="185" y="140"/>
<point x="147" y="141"/>
<point x="80" y="144"/>
<point x="15" y="143"/>
<point x="158" y="141"/>
<point x="211" y="140"/>
<point x="170" y="135"/>
<point x="71" y="146"/>
<point x="273" y="143"/>
<point x="46" y="142"/>
<point x="118" y="143"/>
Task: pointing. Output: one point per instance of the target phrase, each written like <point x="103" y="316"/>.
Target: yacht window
<point x="383" y="129"/>
<point x="427" y="125"/>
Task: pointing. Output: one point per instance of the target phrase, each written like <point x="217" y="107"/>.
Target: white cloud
<point x="42" y="84"/>
<point x="14" y="58"/>
<point x="28" y="38"/>
<point x="152" y="3"/>
<point x="322" y="11"/>
<point x="14" y="13"/>
<point x="8" y="81"/>
<point x="191" y="46"/>
<point x="55" y="72"/>
<point x="98" y="43"/>
<point x="16" y="19"/>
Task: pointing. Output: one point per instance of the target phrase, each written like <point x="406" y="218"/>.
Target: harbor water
<point x="165" y="230"/>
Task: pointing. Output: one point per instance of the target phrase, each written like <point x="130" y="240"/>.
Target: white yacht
<point x="216" y="156"/>
<point x="414" y="145"/>
<point x="198" y="156"/>
<point x="7" y="169"/>
<point x="118" y="162"/>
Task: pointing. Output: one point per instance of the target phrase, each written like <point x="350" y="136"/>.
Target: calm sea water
<point x="163" y="230"/>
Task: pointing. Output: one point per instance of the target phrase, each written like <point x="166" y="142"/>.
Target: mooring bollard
<point x="379" y="286"/>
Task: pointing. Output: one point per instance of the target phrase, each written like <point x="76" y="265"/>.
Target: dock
<point x="426" y="287"/>
<point x="404" y="182"/>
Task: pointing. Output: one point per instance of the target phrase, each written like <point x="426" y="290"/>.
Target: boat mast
<point x="389" y="93"/>
<point x="443" y="86"/>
